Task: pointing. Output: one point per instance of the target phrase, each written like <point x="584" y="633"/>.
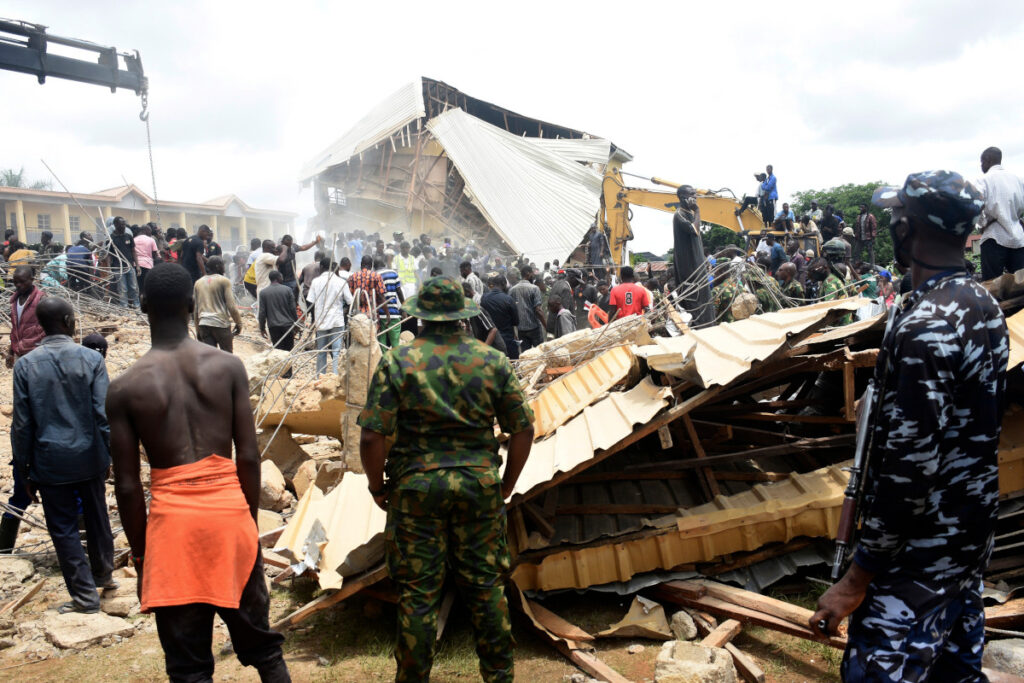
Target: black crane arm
<point x="23" y="47"/>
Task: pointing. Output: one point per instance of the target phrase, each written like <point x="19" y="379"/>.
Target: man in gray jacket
<point x="61" y="442"/>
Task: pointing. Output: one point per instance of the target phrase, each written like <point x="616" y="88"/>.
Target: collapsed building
<point x="432" y="159"/>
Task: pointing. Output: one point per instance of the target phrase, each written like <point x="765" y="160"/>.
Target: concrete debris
<point x="1005" y="655"/>
<point x="266" y="520"/>
<point x="635" y="649"/>
<point x="260" y="366"/>
<point x="15" y="570"/>
<point x="645" y="619"/>
<point x="682" y="662"/>
<point x="304" y="477"/>
<point x="328" y="474"/>
<point x="278" y="446"/>
<point x="360" y="362"/>
<point x="582" y="345"/>
<point x="273" y="494"/>
<point x="123" y="601"/>
<point x="682" y="626"/>
<point x="74" y="631"/>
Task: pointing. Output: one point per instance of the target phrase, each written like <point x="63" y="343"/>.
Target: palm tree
<point x="11" y="178"/>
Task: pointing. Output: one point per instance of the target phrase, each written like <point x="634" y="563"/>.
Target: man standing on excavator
<point x="688" y="258"/>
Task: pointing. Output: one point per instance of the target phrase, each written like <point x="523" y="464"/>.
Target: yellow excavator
<point x="715" y="208"/>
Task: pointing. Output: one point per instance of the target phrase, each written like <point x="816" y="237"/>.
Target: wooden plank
<point x="517" y="531"/>
<point x="803" y="445"/>
<point x="669" y="593"/>
<point x="725" y="632"/>
<point x="591" y="664"/>
<point x="556" y="624"/>
<point x="728" y="475"/>
<point x="1008" y="615"/>
<point x="536" y="516"/>
<point x="621" y="475"/>
<point x="617" y="509"/>
<point x="705" y="472"/>
<point x="269" y="538"/>
<point x="745" y="665"/>
<point x="849" y="400"/>
<point x="803" y="419"/>
<point x="15" y="605"/>
<point x="350" y="587"/>
<point x="286" y="574"/>
<point x="744" y="598"/>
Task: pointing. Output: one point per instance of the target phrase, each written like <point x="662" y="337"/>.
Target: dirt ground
<point x="353" y="641"/>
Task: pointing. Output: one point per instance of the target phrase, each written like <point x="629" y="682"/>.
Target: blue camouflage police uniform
<point x="932" y="486"/>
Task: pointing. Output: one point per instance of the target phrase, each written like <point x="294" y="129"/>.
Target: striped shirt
<point x="392" y="284"/>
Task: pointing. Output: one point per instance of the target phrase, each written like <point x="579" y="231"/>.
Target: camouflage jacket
<point x="932" y="488"/>
<point x="793" y="290"/>
<point x="769" y="295"/>
<point x="441" y="394"/>
<point x="833" y="289"/>
<point x="723" y="296"/>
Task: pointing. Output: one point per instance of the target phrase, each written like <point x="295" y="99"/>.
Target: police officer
<point x="443" y="494"/>
<point x="914" y="585"/>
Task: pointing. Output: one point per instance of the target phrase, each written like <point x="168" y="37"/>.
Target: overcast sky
<point x="243" y="93"/>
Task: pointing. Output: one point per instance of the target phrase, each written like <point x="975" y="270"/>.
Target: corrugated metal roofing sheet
<point x="396" y="111"/>
<point x="721" y="353"/>
<point x="533" y="192"/>
<point x="601" y="425"/>
<point x="1016" y="324"/>
<point x="801" y="505"/>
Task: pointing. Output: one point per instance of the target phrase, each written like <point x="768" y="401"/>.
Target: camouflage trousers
<point x="887" y="641"/>
<point x="441" y="520"/>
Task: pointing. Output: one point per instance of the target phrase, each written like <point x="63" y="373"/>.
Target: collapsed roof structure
<point x="432" y="159"/>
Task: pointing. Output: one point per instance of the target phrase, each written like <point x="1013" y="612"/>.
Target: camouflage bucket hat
<point x="944" y="199"/>
<point x="441" y="298"/>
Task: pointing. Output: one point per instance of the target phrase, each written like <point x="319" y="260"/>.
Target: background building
<point x="233" y="221"/>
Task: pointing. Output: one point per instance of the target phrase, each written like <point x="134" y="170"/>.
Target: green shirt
<point x="441" y="394"/>
<point x="871" y="280"/>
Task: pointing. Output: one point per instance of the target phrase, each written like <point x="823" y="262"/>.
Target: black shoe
<point x="73" y="606"/>
<point x="8" y="534"/>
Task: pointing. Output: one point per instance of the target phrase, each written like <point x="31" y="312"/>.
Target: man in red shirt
<point x="629" y="298"/>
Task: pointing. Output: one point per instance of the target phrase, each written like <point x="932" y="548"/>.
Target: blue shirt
<point x="770" y="187"/>
<point x="59" y="432"/>
<point x="785" y="214"/>
<point x="778" y="256"/>
<point x="391" y="286"/>
<point x="80" y="255"/>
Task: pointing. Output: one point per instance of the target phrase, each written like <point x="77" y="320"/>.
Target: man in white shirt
<point x="264" y="264"/>
<point x="1002" y="235"/>
<point x="330" y="297"/>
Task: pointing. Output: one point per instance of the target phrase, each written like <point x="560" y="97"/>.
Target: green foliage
<point x="847" y="200"/>
<point x="716" y="238"/>
<point x="11" y="178"/>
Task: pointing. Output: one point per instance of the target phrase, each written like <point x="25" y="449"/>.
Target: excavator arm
<point x="24" y="47"/>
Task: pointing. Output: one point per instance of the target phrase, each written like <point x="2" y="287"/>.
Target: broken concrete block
<point x="682" y="662"/>
<point x="259" y="365"/>
<point x="645" y="619"/>
<point x="122" y="601"/>
<point x="329" y="475"/>
<point x="304" y="477"/>
<point x="282" y="450"/>
<point x="273" y="495"/>
<point x="74" y="631"/>
<point x="303" y="439"/>
<point x="268" y="521"/>
<point x="1005" y="655"/>
<point x="15" y="570"/>
<point x="683" y="627"/>
<point x="350" y="435"/>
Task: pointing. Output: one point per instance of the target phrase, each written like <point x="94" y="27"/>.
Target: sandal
<point x="73" y="606"/>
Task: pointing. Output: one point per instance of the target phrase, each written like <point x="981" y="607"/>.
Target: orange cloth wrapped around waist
<point x="201" y="539"/>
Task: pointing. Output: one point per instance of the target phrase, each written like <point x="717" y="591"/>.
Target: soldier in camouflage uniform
<point x="834" y="285"/>
<point x="726" y="289"/>
<point x="768" y="293"/>
<point x="444" y="496"/>
<point x="791" y="288"/>
<point x="931" y="494"/>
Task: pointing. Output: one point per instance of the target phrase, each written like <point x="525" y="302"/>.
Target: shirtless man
<point x="198" y="552"/>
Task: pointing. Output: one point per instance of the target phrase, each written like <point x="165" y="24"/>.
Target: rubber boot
<point x="8" y="534"/>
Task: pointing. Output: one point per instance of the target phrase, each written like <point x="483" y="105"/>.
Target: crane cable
<point x="144" y="117"/>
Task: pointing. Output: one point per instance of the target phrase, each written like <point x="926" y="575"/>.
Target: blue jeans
<point x="128" y="289"/>
<point x="328" y="341"/>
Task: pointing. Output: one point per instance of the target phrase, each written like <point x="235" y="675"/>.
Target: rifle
<point x="849" y="518"/>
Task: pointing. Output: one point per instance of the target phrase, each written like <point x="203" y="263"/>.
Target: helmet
<point x="835" y="248"/>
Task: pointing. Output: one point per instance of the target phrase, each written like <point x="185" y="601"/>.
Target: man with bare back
<point x="198" y="551"/>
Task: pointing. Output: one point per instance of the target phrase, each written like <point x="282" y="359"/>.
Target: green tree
<point x="11" y="178"/>
<point x="716" y="238"/>
<point x="846" y="199"/>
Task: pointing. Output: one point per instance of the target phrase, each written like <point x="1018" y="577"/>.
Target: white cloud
<point x="242" y="93"/>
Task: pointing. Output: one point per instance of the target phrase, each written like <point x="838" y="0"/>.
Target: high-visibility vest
<point x="405" y="266"/>
<point x="250" y="275"/>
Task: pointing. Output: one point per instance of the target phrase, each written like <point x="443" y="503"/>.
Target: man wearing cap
<point x="930" y="501"/>
<point x="443" y="493"/>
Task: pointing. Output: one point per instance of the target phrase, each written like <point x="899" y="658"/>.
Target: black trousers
<point x="997" y="259"/>
<point x="282" y="337"/>
<point x="60" y="506"/>
<point x="251" y="288"/>
<point x="219" y="337"/>
<point x="186" y="635"/>
<point x="142" y="278"/>
<point x="531" y="338"/>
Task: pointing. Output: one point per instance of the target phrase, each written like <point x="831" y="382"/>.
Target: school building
<point x="233" y="221"/>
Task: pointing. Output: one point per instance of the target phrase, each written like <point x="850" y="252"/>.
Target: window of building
<point x="335" y="195"/>
<point x="75" y="223"/>
<point x="14" y="221"/>
<point x="43" y="221"/>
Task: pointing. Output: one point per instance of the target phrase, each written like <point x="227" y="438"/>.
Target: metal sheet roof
<point x="535" y="193"/>
<point x="394" y="113"/>
<point x="601" y="425"/>
<point x="721" y="353"/>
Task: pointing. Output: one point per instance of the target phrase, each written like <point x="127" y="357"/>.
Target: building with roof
<point x="233" y="221"/>
<point x="432" y="159"/>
